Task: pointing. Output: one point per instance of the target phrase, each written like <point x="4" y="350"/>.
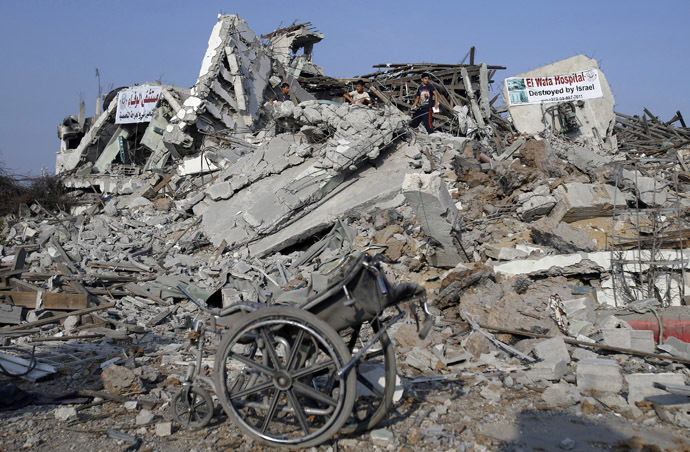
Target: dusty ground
<point x="476" y="406"/>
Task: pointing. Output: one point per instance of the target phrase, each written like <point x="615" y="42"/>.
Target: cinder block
<point x="602" y="375"/>
<point x="642" y="340"/>
<point x="552" y="350"/>
<point x="548" y="370"/>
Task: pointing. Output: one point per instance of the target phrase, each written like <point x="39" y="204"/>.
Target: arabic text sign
<point x="554" y="88"/>
<point x="137" y="104"/>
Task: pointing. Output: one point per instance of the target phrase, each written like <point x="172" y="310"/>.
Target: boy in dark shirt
<point x="425" y="93"/>
<point x="284" y="93"/>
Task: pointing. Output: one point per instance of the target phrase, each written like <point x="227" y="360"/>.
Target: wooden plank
<point x="141" y="292"/>
<point x="23" y="286"/>
<point x="66" y="338"/>
<point x="117" y="266"/>
<point x="115" y="398"/>
<point x="56" y="318"/>
<point x="58" y="301"/>
<point x="162" y="315"/>
<point x="164" y="182"/>
<point x="380" y="95"/>
<point x="219" y="252"/>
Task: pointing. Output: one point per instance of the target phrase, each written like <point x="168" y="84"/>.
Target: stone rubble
<point x="237" y="198"/>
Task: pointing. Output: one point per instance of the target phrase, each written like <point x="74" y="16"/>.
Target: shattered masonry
<point x="544" y="234"/>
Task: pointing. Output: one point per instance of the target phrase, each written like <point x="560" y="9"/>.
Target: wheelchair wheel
<point x="276" y="377"/>
<point x="192" y="407"/>
<point x="376" y="382"/>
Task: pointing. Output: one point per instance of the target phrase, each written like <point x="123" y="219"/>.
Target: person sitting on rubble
<point x="358" y="96"/>
<point x="284" y="93"/>
<point x="424" y="113"/>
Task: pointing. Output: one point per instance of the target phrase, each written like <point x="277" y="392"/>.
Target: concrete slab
<point x="428" y="196"/>
<point x="361" y="190"/>
<point x="578" y="201"/>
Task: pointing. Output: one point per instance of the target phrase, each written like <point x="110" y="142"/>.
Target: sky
<point x="51" y="49"/>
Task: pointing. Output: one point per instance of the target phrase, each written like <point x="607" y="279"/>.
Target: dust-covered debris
<point x="550" y="238"/>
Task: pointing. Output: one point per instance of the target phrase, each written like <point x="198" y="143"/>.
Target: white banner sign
<point x="553" y="88"/>
<point x="137" y="104"/>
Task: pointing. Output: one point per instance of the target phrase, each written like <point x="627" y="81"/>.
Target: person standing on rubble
<point x="284" y="93"/>
<point x="424" y="113"/>
<point x="358" y="96"/>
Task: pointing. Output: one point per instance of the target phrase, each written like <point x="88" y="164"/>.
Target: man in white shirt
<point x="358" y="96"/>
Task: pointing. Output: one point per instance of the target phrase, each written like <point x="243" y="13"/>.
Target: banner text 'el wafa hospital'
<point x="554" y="88"/>
<point x="137" y="104"/>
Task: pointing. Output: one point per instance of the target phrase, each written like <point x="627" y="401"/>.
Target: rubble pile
<point x="553" y="253"/>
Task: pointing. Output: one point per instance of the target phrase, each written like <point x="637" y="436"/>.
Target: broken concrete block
<point x="491" y="392"/>
<point x="382" y="437"/>
<point x="164" y="429"/>
<point x="676" y="347"/>
<point x="437" y="214"/>
<point x="71" y="322"/>
<point x="578" y="309"/>
<point x="535" y="204"/>
<point x="641" y="386"/>
<point x="120" y="380"/>
<point x="602" y="375"/>
<point x="38" y="314"/>
<point x="561" y="236"/>
<point x="642" y="340"/>
<point x="580" y="353"/>
<point x="144" y="417"/>
<point x="220" y="190"/>
<point x="548" y="370"/>
<point x="147" y="373"/>
<point x="561" y="395"/>
<point x="551" y="350"/>
<point x="649" y="190"/>
<point x="560" y="264"/>
<point x="65" y="413"/>
<point x="423" y="360"/>
<point x="131" y="405"/>
<point x="583" y="159"/>
<point x="111" y="209"/>
<point x="578" y="201"/>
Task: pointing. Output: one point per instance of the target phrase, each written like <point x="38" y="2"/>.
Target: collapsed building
<point x="551" y="220"/>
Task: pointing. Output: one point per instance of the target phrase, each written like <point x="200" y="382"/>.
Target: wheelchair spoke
<point x="197" y="405"/>
<point x="251" y="363"/>
<point x="314" y="394"/>
<point x="250" y="391"/>
<point x="268" y="344"/>
<point x="271" y="411"/>
<point x="295" y="348"/>
<point x="298" y="411"/>
<point x="312" y="369"/>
